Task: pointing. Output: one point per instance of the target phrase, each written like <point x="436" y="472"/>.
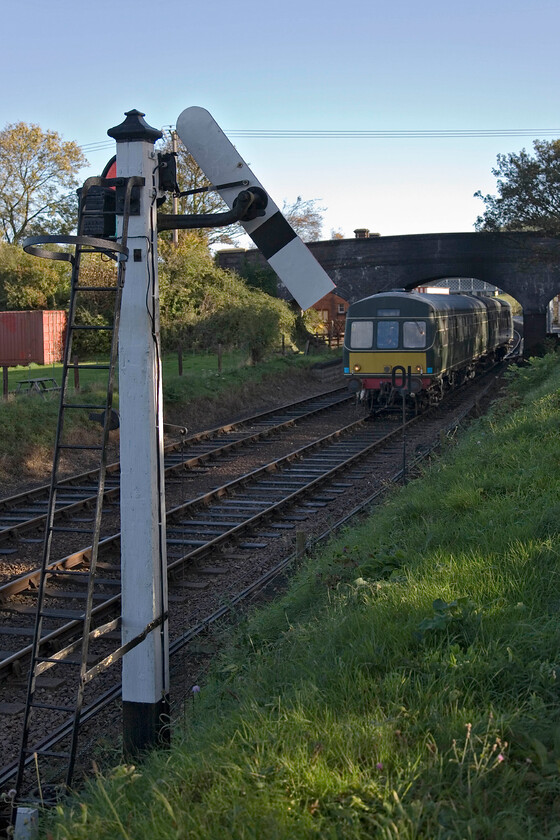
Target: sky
<point x="487" y="66"/>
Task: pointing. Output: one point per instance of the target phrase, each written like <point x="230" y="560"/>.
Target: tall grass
<point x="28" y="421"/>
<point x="406" y="686"/>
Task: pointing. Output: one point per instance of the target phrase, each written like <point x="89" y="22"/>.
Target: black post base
<point x="145" y="726"/>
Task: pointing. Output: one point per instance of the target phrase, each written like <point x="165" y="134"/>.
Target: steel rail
<point x="10" y="504"/>
<point x="110" y="544"/>
<point x="25" y="581"/>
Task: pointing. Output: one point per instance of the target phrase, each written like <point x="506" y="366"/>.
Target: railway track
<point x="200" y="527"/>
<point x="26" y="512"/>
<point x="254" y="515"/>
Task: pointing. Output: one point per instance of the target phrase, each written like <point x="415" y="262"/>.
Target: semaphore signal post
<point x="145" y="668"/>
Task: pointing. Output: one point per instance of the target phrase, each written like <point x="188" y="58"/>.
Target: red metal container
<point x="35" y="336"/>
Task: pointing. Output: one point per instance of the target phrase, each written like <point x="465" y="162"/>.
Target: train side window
<point x="414" y="334"/>
<point x="387" y="335"/>
<point x="361" y="335"/>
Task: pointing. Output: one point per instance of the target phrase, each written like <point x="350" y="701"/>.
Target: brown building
<point x="333" y="313"/>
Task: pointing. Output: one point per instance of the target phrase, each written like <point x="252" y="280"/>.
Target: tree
<point x="258" y="276"/>
<point x="29" y="283"/>
<point x="202" y="304"/>
<point x="305" y="218"/>
<point x="37" y="171"/>
<point x="528" y="191"/>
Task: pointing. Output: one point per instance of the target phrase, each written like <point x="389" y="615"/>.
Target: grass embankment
<point x="28" y="422"/>
<point x="407" y="686"/>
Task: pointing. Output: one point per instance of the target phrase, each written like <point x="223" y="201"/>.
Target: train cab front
<point x="385" y="352"/>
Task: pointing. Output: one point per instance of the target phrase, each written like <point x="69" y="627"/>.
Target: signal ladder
<point x="73" y="658"/>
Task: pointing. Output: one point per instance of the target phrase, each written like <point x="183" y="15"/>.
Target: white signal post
<point x="145" y="671"/>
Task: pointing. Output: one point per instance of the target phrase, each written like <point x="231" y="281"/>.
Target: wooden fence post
<point x="180" y="358"/>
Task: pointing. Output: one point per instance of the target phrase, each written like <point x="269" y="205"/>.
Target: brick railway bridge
<point x="524" y="265"/>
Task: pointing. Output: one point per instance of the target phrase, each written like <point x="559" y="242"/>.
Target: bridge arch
<point x="524" y="265"/>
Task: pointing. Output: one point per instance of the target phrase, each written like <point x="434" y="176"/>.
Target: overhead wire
<point x="366" y="134"/>
<point x="382" y="134"/>
<point x="352" y="134"/>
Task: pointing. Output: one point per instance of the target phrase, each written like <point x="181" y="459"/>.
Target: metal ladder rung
<point x="85" y="405"/>
<point x="71" y="530"/>
<point x="48" y="753"/>
<point x="78" y="446"/>
<point x="96" y="288"/>
<point x="90" y="327"/>
<point x="52" y="707"/>
<point x="73" y="615"/>
<point x="44" y="659"/>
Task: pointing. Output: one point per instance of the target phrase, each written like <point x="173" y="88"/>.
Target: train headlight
<point x="357" y="368"/>
<point x="418" y="368"/>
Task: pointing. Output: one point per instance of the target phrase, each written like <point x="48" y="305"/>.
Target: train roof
<point x="412" y="304"/>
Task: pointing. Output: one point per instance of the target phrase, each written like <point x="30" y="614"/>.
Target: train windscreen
<point x="361" y="335"/>
<point x="387" y="335"/>
<point x="414" y="334"/>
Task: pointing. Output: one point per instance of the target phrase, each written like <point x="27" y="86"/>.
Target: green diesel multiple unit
<point x="434" y="341"/>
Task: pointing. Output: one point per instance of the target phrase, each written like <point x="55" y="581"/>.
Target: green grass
<point x="202" y="377"/>
<point x="406" y="686"/>
<point x="28" y="422"/>
<point x="196" y="367"/>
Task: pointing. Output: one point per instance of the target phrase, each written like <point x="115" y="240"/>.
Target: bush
<point x="203" y="305"/>
<point x="91" y="342"/>
<point x="27" y="282"/>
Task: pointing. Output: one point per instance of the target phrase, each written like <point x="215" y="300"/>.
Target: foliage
<point x="330" y="716"/>
<point x="261" y="277"/>
<point x="30" y="283"/>
<point x="37" y="171"/>
<point x="186" y="272"/>
<point x="528" y="191"/>
<point x="305" y="217"/>
<point x="203" y="305"/>
<point x="312" y="321"/>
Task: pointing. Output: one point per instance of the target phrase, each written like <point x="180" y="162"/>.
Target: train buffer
<point x="37" y="386"/>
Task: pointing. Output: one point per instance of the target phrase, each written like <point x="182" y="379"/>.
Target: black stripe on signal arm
<point x="273" y="235"/>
